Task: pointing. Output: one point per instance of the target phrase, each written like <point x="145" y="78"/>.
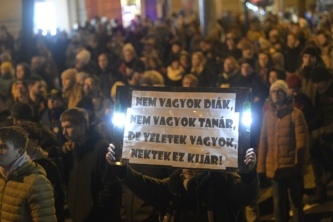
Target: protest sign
<point x="187" y="129"/>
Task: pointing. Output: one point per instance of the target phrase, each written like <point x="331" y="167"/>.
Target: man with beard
<point x="36" y="99"/>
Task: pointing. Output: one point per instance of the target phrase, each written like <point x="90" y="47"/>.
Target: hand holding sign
<point x="110" y="155"/>
<point x="250" y="159"/>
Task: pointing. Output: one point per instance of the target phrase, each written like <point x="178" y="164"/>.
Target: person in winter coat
<point x="229" y="74"/>
<point x="283" y="151"/>
<point x="26" y="193"/>
<point x="324" y="42"/>
<point x="322" y="152"/>
<point x="93" y="191"/>
<point x="310" y="57"/>
<point x="191" y="195"/>
<point x="129" y="59"/>
<point x="7" y="78"/>
<point x="205" y="76"/>
<point x="175" y="73"/>
<point x="301" y="101"/>
<point x="39" y="156"/>
<point x="71" y="89"/>
<point x="292" y="52"/>
<point x="107" y="74"/>
<point x="23" y="71"/>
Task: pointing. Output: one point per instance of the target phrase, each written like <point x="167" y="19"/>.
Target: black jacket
<point x="93" y="190"/>
<point x="219" y="195"/>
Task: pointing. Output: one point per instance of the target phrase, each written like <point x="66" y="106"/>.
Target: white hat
<point x="84" y="56"/>
<point x="281" y="84"/>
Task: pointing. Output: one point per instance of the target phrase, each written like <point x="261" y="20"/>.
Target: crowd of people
<point x="63" y="99"/>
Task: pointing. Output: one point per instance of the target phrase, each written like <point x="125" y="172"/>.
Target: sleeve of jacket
<point x="109" y="196"/>
<point x="151" y="190"/>
<point x="41" y="200"/>
<point x="302" y="143"/>
<point x="244" y="189"/>
<point x="263" y="146"/>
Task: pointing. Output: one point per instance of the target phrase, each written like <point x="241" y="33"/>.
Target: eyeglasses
<point x="278" y="92"/>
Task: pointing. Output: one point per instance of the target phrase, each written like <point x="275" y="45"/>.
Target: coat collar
<point x="285" y="110"/>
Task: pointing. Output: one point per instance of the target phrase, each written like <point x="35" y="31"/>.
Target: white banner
<point x="184" y="100"/>
<point x="182" y="129"/>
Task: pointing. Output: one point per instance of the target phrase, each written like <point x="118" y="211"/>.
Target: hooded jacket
<point x="27" y="195"/>
<point x="284" y="143"/>
<point x="210" y="196"/>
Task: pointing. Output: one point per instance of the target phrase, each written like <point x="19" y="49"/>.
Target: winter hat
<point x="55" y="94"/>
<point x="294" y="81"/>
<point x="8" y="67"/>
<point x="249" y="61"/>
<point x="84" y="56"/>
<point x="311" y="51"/>
<point x="114" y="89"/>
<point x="281" y="84"/>
<point x="156" y="77"/>
<point x="320" y="74"/>
<point x="22" y="111"/>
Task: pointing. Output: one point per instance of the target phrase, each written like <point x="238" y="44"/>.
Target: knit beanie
<point x="7" y="66"/>
<point x="84" y="56"/>
<point x="320" y="74"/>
<point x="294" y="81"/>
<point x="281" y="84"/>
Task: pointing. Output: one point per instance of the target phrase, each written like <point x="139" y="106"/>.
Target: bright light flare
<point x="247" y="119"/>
<point x="118" y="119"/>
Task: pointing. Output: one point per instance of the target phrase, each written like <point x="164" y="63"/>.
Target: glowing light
<point x="45" y="17"/>
<point x="118" y="119"/>
<point x="247" y="119"/>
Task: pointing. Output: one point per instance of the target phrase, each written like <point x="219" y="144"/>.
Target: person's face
<point x="263" y="60"/>
<point x="79" y="64"/>
<point x="295" y="91"/>
<point x="19" y="72"/>
<point x="278" y="46"/>
<point x="278" y="96"/>
<point x="247" y="53"/>
<point x="175" y="65"/>
<point x="128" y="56"/>
<point x="188" y="82"/>
<point x="175" y="48"/>
<point x="228" y="66"/>
<point x="66" y="83"/>
<point x="195" y="61"/>
<point x="291" y="40"/>
<point x="34" y="63"/>
<point x="20" y="90"/>
<point x="89" y="88"/>
<point x="183" y="61"/>
<point x="9" y="153"/>
<point x="320" y="86"/>
<point x="102" y="61"/>
<point x="321" y="39"/>
<point x="246" y="70"/>
<point x="273" y="76"/>
<point x="54" y="103"/>
<point x="309" y="60"/>
<point x="17" y="122"/>
<point x="37" y="89"/>
<point x="71" y="131"/>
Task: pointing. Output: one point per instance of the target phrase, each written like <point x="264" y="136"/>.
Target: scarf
<point x="16" y="164"/>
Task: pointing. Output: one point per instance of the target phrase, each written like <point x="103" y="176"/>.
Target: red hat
<point x="294" y="81"/>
